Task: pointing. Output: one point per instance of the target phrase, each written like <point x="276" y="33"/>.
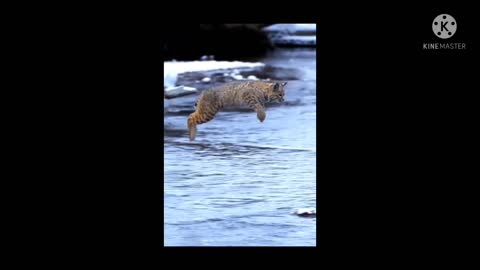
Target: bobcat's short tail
<point x="192" y="127"/>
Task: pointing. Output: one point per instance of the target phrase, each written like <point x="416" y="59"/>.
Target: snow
<point x="292" y="34"/>
<point x="172" y="69"/>
<point x="206" y="79"/>
<point x="292" y="28"/>
<point x="178" y="91"/>
<point x="207" y="57"/>
<point x="252" y="77"/>
<point x="298" y="40"/>
<point x="179" y="88"/>
<point x="305" y="211"/>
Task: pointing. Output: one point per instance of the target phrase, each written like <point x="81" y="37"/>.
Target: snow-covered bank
<point x="179" y="91"/>
<point x="173" y="68"/>
<point x="292" y="34"/>
<point x="297" y="40"/>
<point x="295" y="28"/>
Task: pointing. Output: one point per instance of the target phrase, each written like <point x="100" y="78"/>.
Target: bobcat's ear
<point x="284" y="83"/>
<point x="276" y="86"/>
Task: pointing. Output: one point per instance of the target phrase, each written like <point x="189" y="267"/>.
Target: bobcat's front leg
<point x="257" y="106"/>
<point x="260" y="113"/>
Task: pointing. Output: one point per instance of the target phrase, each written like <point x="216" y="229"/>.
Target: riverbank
<point x="229" y="42"/>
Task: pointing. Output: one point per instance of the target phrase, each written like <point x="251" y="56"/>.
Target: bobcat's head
<point x="278" y="92"/>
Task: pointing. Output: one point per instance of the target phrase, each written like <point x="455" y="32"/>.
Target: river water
<point x="238" y="183"/>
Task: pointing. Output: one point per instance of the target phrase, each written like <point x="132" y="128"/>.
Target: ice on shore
<point x="173" y="69"/>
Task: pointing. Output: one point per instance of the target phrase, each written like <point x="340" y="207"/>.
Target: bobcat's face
<point x="278" y="92"/>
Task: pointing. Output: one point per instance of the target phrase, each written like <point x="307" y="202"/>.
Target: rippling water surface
<point x="239" y="181"/>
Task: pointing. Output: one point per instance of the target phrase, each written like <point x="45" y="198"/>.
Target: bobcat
<point x="254" y="94"/>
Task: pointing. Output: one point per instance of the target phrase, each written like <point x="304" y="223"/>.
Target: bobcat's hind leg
<point x="206" y="108"/>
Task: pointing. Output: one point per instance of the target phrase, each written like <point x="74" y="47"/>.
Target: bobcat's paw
<point x="261" y="116"/>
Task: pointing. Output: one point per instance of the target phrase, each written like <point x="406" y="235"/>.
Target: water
<point x="239" y="181"/>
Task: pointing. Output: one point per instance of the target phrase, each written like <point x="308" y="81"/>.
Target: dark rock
<point x="223" y="41"/>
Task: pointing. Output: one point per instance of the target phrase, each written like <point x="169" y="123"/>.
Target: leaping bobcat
<point x="254" y="94"/>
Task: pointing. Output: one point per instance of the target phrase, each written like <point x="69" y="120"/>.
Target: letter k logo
<point x="444" y="26"/>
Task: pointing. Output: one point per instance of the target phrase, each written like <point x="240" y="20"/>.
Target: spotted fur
<point x="254" y="94"/>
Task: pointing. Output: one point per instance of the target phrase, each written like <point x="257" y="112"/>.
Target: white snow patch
<point x="178" y="91"/>
<point x="298" y="40"/>
<point x="237" y="77"/>
<point x="186" y="88"/>
<point x="207" y="57"/>
<point x="206" y="79"/>
<point x="180" y="88"/>
<point x="292" y="28"/>
<point x="305" y="211"/>
<point x="172" y="69"/>
<point x="252" y="77"/>
<point x="292" y="34"/>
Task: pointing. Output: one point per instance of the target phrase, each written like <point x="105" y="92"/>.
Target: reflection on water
<point x="239" y="181"/>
